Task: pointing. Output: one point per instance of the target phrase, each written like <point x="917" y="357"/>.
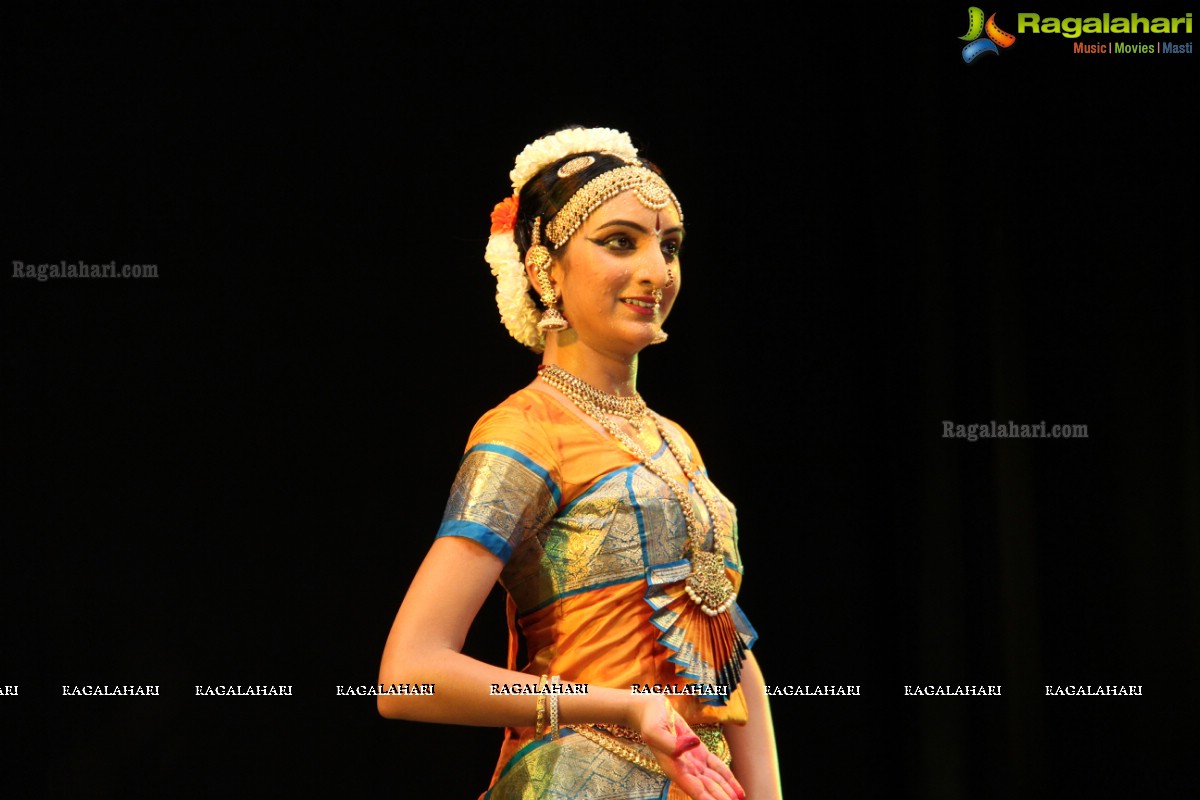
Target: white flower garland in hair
<point x="517" y="310"/>
<point x="545" y="151"/>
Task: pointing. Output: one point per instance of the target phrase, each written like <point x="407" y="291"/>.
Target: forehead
<point x="628" y="208"/>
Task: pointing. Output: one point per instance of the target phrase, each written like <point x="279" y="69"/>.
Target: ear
<point x="533" y="273"/>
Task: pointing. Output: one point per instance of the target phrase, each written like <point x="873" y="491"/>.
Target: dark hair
<point x="545" y="193"/>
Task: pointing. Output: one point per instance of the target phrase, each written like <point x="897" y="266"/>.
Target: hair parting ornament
<point x="575" y="165"/>
<point x="517" y="309"/>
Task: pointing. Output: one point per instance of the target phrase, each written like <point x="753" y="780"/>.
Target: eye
<point x="617" y="242"/>
<point x="670" y="249"/>
<point x="620" y="241"/>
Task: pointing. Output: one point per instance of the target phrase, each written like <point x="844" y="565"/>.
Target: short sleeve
<point x="505" y="489"/>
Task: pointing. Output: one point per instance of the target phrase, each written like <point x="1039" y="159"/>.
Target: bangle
<point x="554" y="711"/>
<point x="541" y="707"/>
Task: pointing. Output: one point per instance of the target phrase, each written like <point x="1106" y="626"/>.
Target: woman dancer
<point x="596" y="514"/>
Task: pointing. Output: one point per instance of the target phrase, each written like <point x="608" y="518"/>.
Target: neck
<point x="612" y="374"/>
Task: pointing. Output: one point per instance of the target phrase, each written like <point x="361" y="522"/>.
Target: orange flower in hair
<point x="504" y="215"/>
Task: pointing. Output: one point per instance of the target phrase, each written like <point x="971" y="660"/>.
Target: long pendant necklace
<point x="707" y="584"/>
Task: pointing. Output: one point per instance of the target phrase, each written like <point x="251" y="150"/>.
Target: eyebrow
<point x="638" y="227"/>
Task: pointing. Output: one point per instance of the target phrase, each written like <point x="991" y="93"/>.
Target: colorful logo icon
<point x="976" y="27"/>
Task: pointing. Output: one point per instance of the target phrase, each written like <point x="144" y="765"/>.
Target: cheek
<point x="606" y="285"/>
<point x="597" y="283"/>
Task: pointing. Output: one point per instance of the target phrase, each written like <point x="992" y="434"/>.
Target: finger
<point x="685" y="742"/>
<point x="694" y="788"/>
<point x="679" y="747"/>
<point x="695" y="760"/>
<point x="729" y="786"/>
<point x="687" y="770"/>
<point x="660" y="740"/>
<point x="719" y="766"/>
<point x="685" y="737"/>
<point x="717" y="789"/>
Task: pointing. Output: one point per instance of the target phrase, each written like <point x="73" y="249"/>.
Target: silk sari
<point x="594" y="547"/>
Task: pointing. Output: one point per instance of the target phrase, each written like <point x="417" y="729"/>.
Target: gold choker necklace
<point x="631" y="408"/>
<point x="707" y="585"/>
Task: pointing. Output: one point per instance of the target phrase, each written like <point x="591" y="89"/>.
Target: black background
<point x="228" y="474"/>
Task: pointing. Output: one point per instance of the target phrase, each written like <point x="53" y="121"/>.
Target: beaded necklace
<point x="631" y="408"/>
<point x="707" y="583"/>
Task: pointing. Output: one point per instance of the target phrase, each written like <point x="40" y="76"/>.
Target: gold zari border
<point x="610" y="738"/>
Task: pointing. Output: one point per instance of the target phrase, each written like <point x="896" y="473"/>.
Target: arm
<point x="426" y="641"/>
<point x="425" y="645"/>
<point x="753" y="744"/>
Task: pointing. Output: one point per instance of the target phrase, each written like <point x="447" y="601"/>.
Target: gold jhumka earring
<point x="538" y="257"/>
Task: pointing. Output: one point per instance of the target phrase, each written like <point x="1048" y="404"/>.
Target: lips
<point x="642" y="305"/>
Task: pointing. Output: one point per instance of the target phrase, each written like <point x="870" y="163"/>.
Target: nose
<point x="653" y="267"/>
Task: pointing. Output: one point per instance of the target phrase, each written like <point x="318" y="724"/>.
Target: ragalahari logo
<point x="976" y="27"/>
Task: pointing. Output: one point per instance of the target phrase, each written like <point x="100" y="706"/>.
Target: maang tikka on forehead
<point x="648" y="186"/>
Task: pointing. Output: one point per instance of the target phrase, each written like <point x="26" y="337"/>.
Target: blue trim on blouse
<point x="479" y="533"/>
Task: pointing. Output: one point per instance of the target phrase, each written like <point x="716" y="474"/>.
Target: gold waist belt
<point x="614" y="739"/>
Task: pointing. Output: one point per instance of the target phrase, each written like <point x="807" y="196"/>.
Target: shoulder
<point x="516" y="415"/>
<point x="524" y="422"/>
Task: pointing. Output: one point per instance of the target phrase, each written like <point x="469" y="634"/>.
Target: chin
<point x="644" y="342"/>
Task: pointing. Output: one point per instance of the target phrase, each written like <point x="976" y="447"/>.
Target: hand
<point x="683" y="757"/>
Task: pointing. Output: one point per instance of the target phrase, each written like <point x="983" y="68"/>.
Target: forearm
<point x="425" y="647"/>
<point x="463" y="694"/>
<point x="755" y="759"/>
